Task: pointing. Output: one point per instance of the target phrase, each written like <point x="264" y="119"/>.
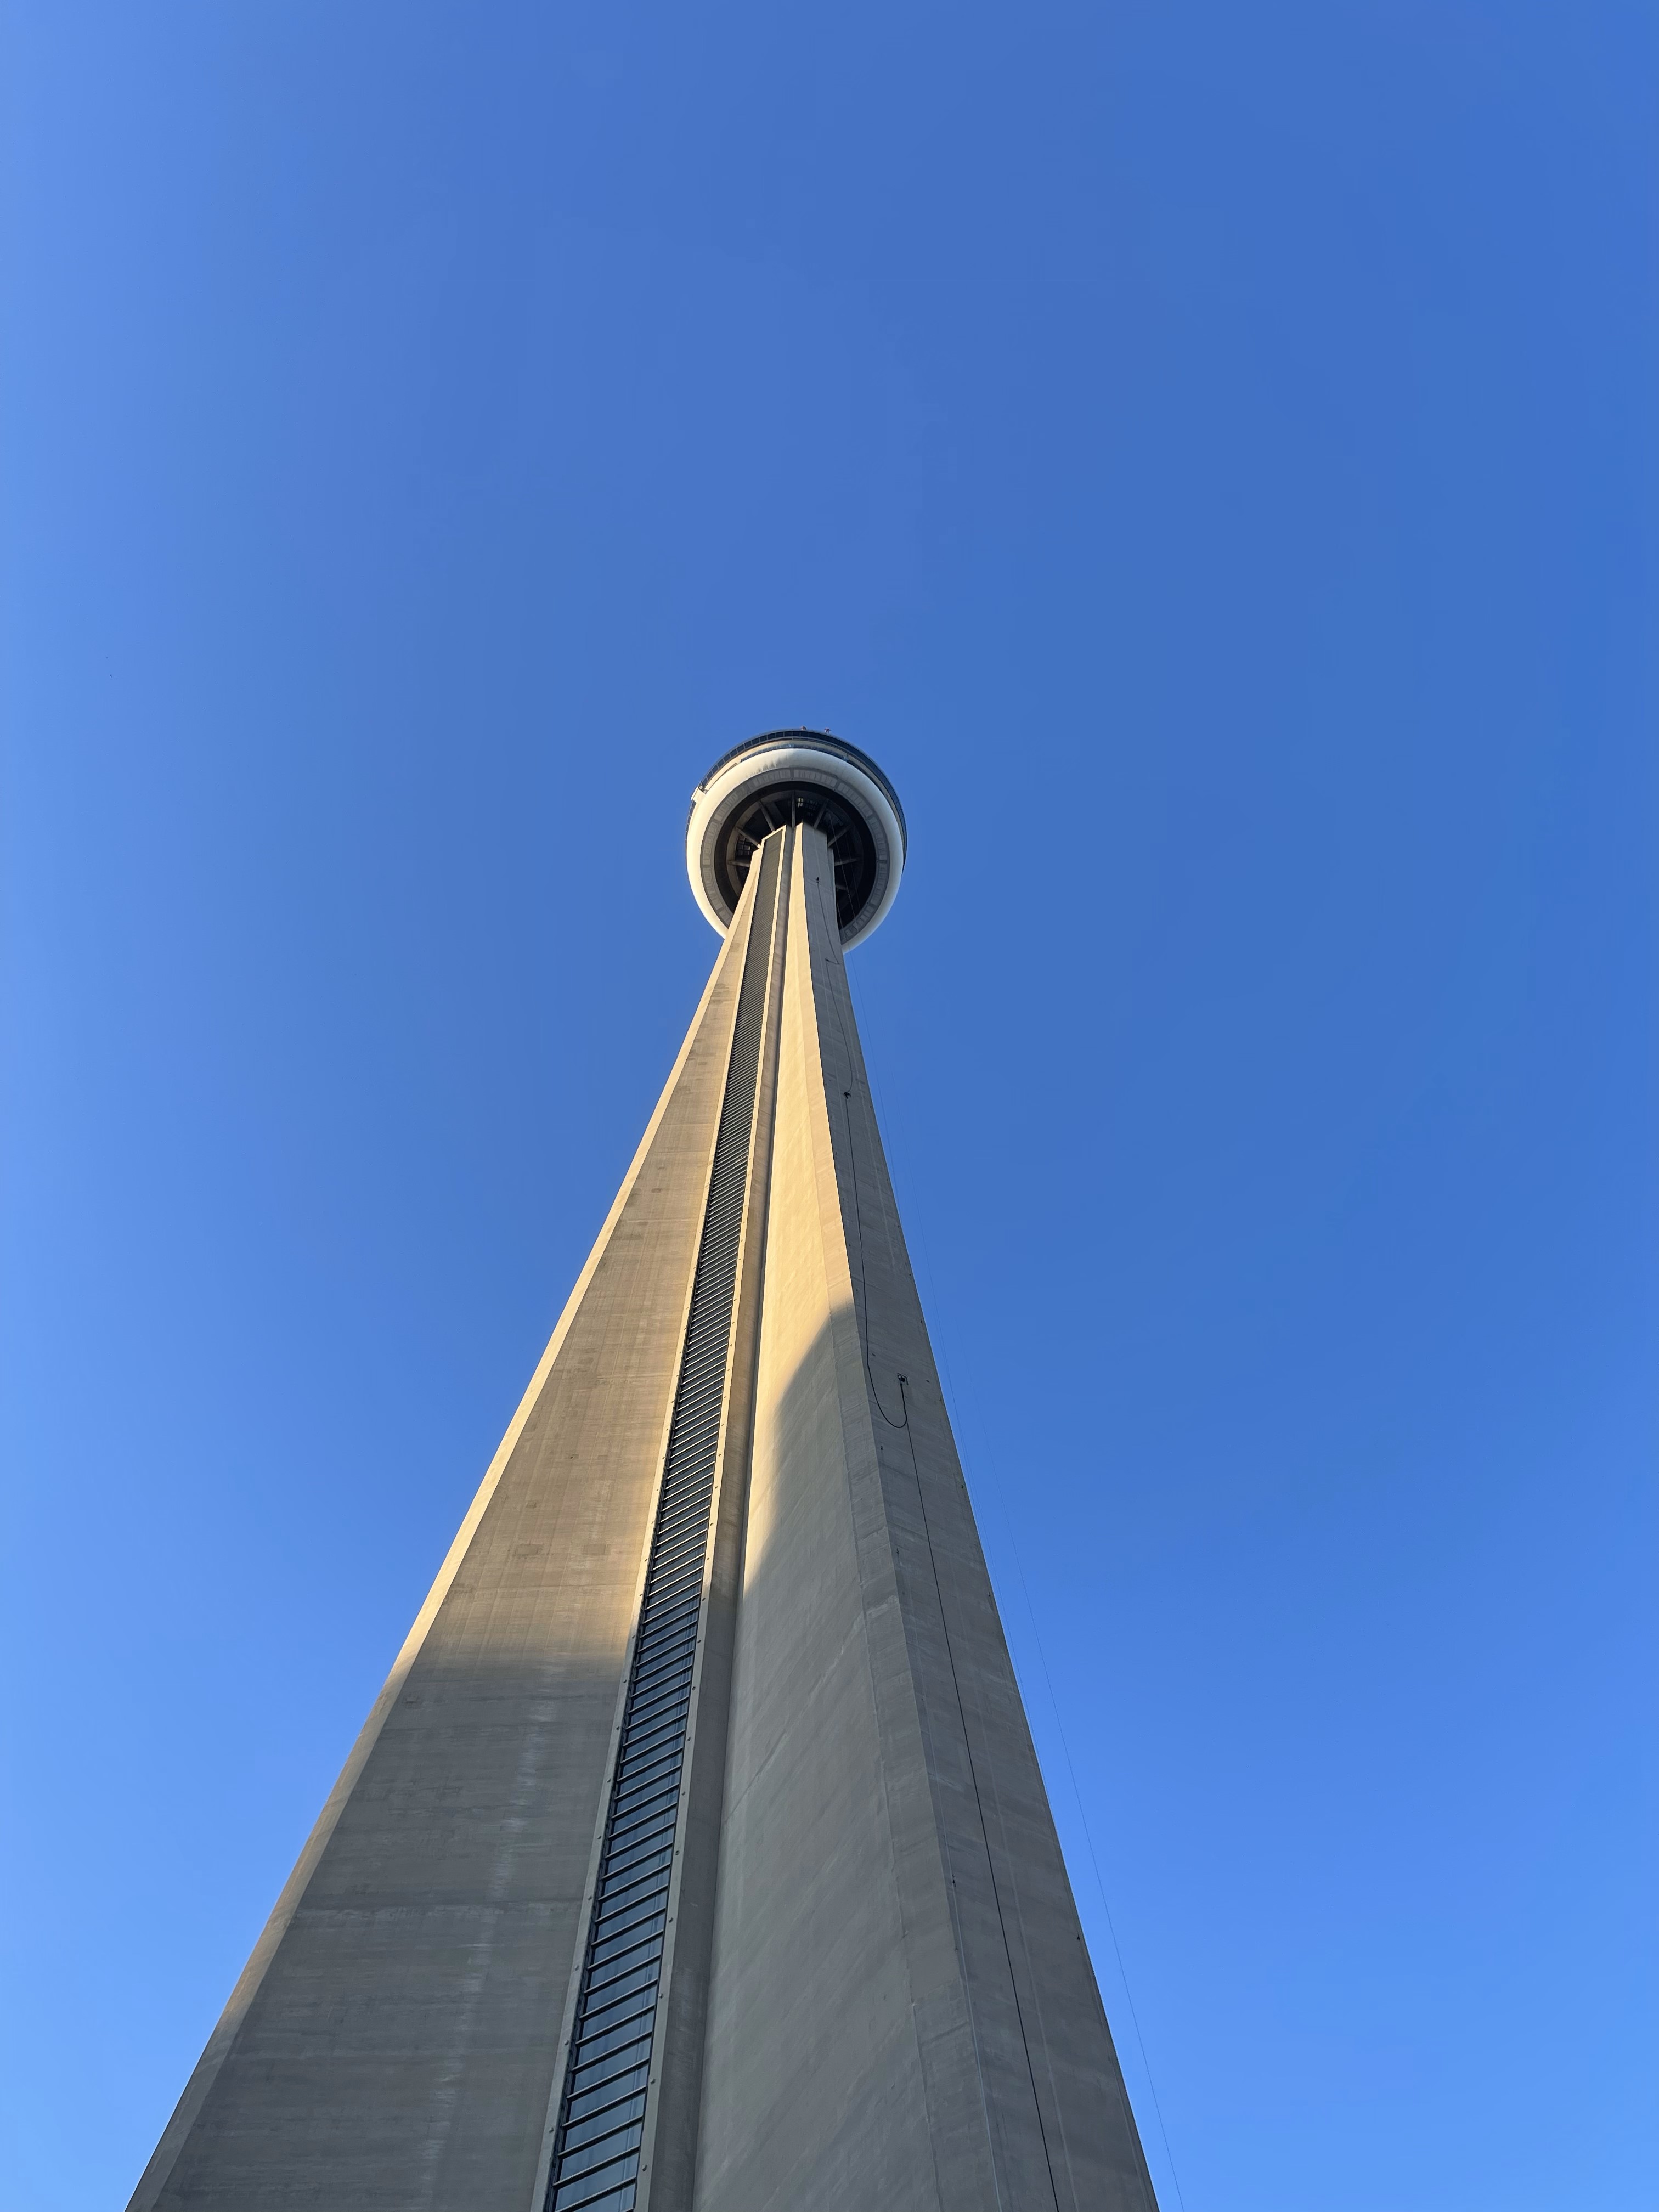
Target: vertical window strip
<point x="596" y="2150"/>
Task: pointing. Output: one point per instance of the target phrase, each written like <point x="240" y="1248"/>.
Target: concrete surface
<point x="876" y="1993"/>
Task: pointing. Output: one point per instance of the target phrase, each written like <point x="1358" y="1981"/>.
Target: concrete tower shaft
<point x="695" y="1856"/>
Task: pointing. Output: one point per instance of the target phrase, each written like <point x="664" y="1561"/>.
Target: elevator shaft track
<point x="596" y="2150"/>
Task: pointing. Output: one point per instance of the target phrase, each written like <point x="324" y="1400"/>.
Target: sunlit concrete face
<point x="695" y="1856"/>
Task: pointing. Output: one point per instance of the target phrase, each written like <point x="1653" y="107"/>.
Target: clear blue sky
<point x="1208" y="454"/>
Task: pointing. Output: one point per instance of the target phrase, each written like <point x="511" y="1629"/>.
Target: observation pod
<point x="695" y="1856"/>
<point x="797" y="776"/>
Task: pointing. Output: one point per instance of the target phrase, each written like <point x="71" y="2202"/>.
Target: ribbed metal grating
<point x="596" y="2152"/>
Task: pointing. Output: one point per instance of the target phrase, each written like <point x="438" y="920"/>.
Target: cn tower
<point x="694" y="1855"/>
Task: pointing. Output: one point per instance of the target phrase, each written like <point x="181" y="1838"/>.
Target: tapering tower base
<point x="696" y="1854"/>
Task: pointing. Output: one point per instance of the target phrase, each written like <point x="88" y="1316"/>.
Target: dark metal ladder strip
<point x="596" y="2150"/>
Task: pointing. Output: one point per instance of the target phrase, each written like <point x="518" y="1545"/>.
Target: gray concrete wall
<point x="879" y="1999"/>
<point x="393" y="2040"/>
<point x="903" y="2011"/>
<point x="668" y="2165"/>
<point x="823" y="1998"/>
